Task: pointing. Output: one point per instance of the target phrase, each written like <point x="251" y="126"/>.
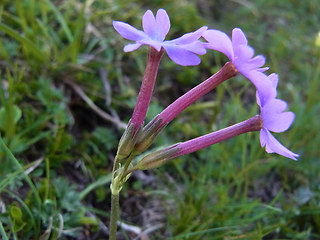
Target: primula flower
<point x="182" y="50"/>
<point x="241" y="55"/>
<point x="275" y="120"/>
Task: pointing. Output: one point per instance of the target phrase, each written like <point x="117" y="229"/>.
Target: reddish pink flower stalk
<point x="168" y="114"/>
<point x="146" y="89"/>
<point x="250" y="125"/>
<point x="162" y="156"/>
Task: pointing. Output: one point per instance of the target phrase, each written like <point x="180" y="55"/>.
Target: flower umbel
<point x="182" y="50"/>
<point x="241" y="55"/>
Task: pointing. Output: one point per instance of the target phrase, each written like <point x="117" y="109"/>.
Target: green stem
<point x="47" y="178"/>
<point x="114" y="216"/>
<point x="126" y="166"/>
<point x="3" y="232"/>
<point x="116" y="164"/>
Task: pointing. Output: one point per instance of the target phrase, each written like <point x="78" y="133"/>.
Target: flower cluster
<point x="184" y="51"/>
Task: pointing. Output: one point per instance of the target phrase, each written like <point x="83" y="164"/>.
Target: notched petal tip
<point x="163" y="22"/>
<point x="238" y="37"/>
<point x="149" y="23"/>
<point x="274" y="78"/>
<point x="219" y="41"/>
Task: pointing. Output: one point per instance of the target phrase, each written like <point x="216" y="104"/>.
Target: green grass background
<point x="56" y="152"/>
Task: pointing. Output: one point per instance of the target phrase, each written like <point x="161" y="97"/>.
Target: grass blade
<point x="26" y="42"/>
<point x="61" y="20"/>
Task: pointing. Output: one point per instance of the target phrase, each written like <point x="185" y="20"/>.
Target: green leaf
<point x="26" y="42"/>
<point x="3" y="116"/>
<point x="16" y="214"/>
<point x="102" y="181"/>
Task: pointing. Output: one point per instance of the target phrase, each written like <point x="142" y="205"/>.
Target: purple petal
<point x="219" y="41"/>
<point x="238" y="37"/>
<point x="263" y="69"/>
<point x="131" y="47"/>
<point x="274" y="119"/>
<point x="128" y="32"/>
<point x="263" y="137"/>
<point x="155" y="44"/>
<point x="181" y="56"/>
<point x="274" y="78"/>
<point x="242" y="56"/>
<point x="278" y="122"/>
<point x="163" y="23"/>
<point x="274" y="106"/>
<point x="195" y="47"/>
<point x="256" y="62"/>
<point x="274" y="146"/>
<point x="263" y="85"/>
<point x="258" y="99"/>
<point x="149" y="25"/>
<point x="190" y="37"/>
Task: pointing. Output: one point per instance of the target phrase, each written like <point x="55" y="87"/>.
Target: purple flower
<point x="182" y="50"/>
<point x="241" y="55"/>
<point x="275" y="120"/>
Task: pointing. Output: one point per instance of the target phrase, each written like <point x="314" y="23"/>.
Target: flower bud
<point x="158" y="158"/>
<point x="148" y="134"/>
<point x="128" y="140"/>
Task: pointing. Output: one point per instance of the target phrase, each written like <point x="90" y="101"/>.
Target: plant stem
<point x="47" y="178"/>
<point x="168" y="114"/>
<point x="145" y="93"/>
<point x="3" y="232"/>
<point x="250" y="125"/>
<point x="114" y="216"/>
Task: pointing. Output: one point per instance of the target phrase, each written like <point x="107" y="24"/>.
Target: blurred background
<point x="67" y="90"/>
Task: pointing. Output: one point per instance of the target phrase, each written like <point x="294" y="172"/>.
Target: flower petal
<point x="274" y="119"/>
<point x="190" y="37"/>
<point x="274" y="78"/>
<point x="149" y="25"/>
<point x="263" y="69"/>
<point x="155" y="44"/>
<point x="195" y="47"/>
<point x="218" y="40"/>
<point x="274" y="146"/>
<point x="278" y="122"/>
<point x="131" y="47"/>
<point x="263" y="85"/>
<point x="181" y="56"/>
<point x="263" y="137"/>
<point x="242" y="55"/>
<point x="256" y="62"/>
<point x="163" y="23"/>
<point x="274" y="106"/>
<point x="128" y="32"/>
<point x="238" y="37"/>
